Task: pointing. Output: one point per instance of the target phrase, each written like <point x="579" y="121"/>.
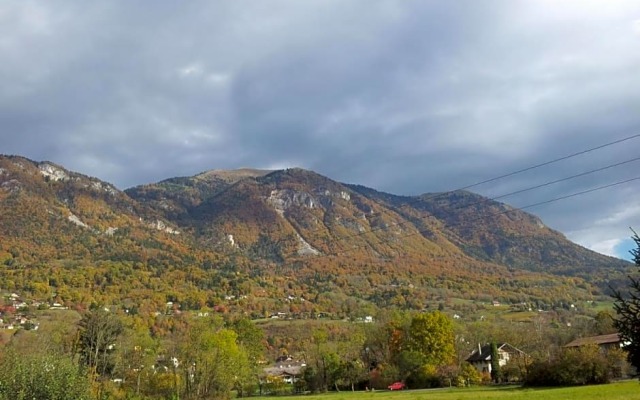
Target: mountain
<point x="60" y="214"/>
<point x="262" y="240"/>
<point x="79" y="239"/>
<point x="495" y="232"/>
<point x="177" y="195"/>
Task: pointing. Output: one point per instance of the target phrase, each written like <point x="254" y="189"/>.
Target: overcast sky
<point x="402" y="96"/>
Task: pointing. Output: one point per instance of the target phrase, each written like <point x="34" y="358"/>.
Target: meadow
<point x="627" y="390"/>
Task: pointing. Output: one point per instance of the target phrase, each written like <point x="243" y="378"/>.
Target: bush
<point x="383" y="376"/>
<point x="424" y="377"/>
<point x="41" y="376"/>
<point x="469" y="375"/>
<point x="581" y="366"/>
<point x="512" y="372"/>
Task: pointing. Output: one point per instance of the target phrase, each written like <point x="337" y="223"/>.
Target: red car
<point x="397" y="386"/>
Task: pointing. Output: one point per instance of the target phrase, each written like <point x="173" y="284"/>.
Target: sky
<point x="403" y="96"/>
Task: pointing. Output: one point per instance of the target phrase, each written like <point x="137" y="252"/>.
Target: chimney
<point x="479" y="349"/>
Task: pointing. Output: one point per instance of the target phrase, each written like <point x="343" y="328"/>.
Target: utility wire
<point x="552" y="161"/>
<point x="488" y="200"/>
<point x="512" y="210"/>
<point x="562" y="180"/>
<point x="510" y="174"/>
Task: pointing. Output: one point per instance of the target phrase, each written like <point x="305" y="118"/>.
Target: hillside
<point x="495" y="232"/>
<point x="276" y="240"/>
<point x="68" y="235"/>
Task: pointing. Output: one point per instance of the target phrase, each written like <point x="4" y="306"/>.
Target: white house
<point x="481" y="357"/>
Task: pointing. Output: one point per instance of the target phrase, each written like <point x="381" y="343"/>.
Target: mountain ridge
<point x="252" y="228"/>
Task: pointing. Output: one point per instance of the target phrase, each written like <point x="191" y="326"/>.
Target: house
<point x="480" y="358"/>
<point x="58" y="306"/>
<point x="20" y="304"/>
<point x="288" y="370"/>
<point x="279" y="315"/>
<point x="605" y="342"/>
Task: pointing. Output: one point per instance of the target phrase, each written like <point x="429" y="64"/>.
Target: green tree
<point x="136" y="354"/>
<point x="604" y="322"/>
<point x="41" y="376"/>
<point x="576" y="366"/>
<point x="250" y="337"/>
<point x="99" y="331"/>
<point x="318" y="355"/>
<point x="211" y="361"/>
<point x="627" y="306"/>
<point x="409" y="362"/>
<point x="333" y="368"/>
<point x="469" y="375"/>
<point x="495" y="363"/>
<point x="384" y="338"/>
<point x="429" y="346"/>
<point x="353" y="354"/>
<point x="431" y="336"/>
<point x="353" y="371"/>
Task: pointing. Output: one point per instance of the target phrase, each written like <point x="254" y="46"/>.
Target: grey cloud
<point x="404" y="96"/>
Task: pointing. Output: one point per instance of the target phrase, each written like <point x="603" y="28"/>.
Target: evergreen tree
<point x="495" y="363"/>
<point x="627" y="306"/>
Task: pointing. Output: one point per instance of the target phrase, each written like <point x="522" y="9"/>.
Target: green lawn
<point x="601" y="305"/>
<point x="627" y="390"/>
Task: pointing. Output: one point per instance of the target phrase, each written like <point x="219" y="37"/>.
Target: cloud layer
<point x="403" y="96"/>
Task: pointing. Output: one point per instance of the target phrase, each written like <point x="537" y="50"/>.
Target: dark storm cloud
<point x="403" y="96"/>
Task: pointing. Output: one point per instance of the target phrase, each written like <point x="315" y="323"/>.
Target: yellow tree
<point x="431" y="335"/>
<point x="429" y="345"/>
<point x="211" y="360"/>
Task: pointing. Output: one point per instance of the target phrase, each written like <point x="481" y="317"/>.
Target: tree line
<point x="106" y="353"/>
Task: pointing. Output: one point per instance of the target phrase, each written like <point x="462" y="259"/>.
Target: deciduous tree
<point x="99" y="330"/>
<point x="431" y="335"/>
<point x="211" y="361"/>
<point x="627" y="306"/>
<point x="41" y="376"/>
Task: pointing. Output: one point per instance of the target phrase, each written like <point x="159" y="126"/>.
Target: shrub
<point x="469" y="375"/>
<point x="581" y="366"/>
<point x="41" y="376"/>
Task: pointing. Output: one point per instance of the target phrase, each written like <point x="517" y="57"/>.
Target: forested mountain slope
<point x="263" y="240"/>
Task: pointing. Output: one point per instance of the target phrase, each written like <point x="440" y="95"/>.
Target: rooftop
<point x="601" y="339"/>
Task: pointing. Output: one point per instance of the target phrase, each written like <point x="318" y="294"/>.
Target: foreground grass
<point x="627" y="390"/>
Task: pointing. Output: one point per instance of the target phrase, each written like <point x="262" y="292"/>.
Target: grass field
<point x="628" y="390"/>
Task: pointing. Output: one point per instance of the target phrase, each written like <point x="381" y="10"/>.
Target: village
<point x="285" y="373"/>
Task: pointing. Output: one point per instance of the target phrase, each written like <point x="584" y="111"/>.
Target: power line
<point x="568" y="178"/>
<point x="510" y="174"/>
<point x="579" y="153"/>
<point x="487" y="200"/>
<point x="514" y="209"/>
